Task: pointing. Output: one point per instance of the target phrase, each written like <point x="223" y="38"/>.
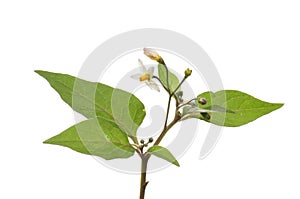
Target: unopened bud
<point x="202" y="101"/>
<point x="152" y="54"/>
<point x="206" y="116"/>
<point x="187" y="72"/>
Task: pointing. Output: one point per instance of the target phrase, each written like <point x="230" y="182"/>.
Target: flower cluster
<point x="186" y="108"/>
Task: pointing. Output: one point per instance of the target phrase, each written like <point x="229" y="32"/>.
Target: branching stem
<point x="144" y="155"/>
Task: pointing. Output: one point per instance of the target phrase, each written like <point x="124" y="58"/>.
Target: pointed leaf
<point x="241" y="108"/>
<point x="163" y="153"/>
<point x="93" y="99"/>
<point x="98" y="136"/>
<point x="173" y="80"/>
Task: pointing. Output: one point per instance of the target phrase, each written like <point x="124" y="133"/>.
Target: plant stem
<point x="164" y="132"/>
<point x="169" y="101"/>
<point x="178" y="86"/>
<point x="186" y="103"/>
<point x="155" y="77"/>
<point x="143" y="183"/>
<point x="145" y="156"/>
<point x="168" y="110"/>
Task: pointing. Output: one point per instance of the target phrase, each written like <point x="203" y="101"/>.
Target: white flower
<point x="146" y="76"/>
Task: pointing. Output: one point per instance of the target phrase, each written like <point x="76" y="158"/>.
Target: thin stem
<point x="168" y="110"/>
<point x="164" y="132"/>
<point x="186" y="103"/>
<point x="178" y="86"/>
<point x="143" y="183"/>
<point x="155" y="77"/>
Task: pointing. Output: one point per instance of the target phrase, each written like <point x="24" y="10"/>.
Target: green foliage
<point x="163" y="153"/>
<point x="98" y="136"/>
<point x="113" y="115"/>
<point x="93" y="99"/>
<point x="240" y="107"/>
<point x="173" y="80"/>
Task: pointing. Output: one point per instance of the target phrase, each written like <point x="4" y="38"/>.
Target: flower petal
<point x="136" y="76"/>
<point x="150" y="71"/>
<point x="153" y="85"/>
<point x="142" y="67"/>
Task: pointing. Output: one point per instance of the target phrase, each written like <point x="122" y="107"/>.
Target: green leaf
<point x="242" y="108"/>
<point x="173" y="80"/>
<point x="97" y="136"/>
<point x="93" y="99"/>
<point x="163" y="153"/>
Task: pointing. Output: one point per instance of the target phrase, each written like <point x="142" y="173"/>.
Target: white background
<point x="254" y="44"/>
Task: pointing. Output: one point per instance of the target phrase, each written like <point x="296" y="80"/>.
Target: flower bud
<point x="152" y="54"/>
<point x="206" y="116"/>
<point x="150" y="140"/>
<point x="202" y="101"/>
<point x="187" y="72"/>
